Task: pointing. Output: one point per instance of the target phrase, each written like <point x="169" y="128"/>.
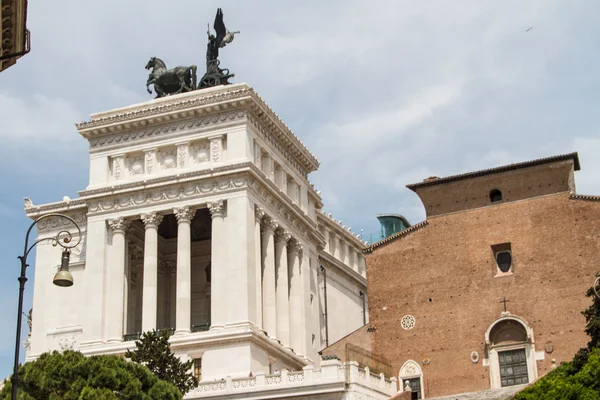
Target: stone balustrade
<point x="305" y="382"/>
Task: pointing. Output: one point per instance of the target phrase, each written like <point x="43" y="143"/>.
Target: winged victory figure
<point x="214" y="75"/>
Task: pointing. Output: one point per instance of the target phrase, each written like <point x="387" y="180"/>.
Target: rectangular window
<point x="503" y="259"/>
<point x="198" y="369"/>
<point x="513" y="367"/>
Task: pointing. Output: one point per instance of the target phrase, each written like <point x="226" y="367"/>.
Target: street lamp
<point x="62" y="278"/>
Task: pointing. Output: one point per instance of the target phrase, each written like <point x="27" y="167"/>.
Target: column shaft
<point x="282" y="288"/>
<point x="150" y="291"/>
<point x="259" y="214"/>
<point x="218" y="286"/>
<point x="296" y="295"/>
<point x="116" y="281"/>
<point x="268" y="287"/>
<point x="183" y="310"/>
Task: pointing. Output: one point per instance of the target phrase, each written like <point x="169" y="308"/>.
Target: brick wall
<point x="444" y="275"/>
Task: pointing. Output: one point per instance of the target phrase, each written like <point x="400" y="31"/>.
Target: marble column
<point x="282" y="287"/>
<point x="218" y="284"/>
<point x="259" y="214"/>
<point x="296" y="294"/>
<point x="115" y="278"/>
<point x="337" y="247"/>
<point x="183" y="310"/>
<point x="268" y="287"/>
<point x="150" y="290"/>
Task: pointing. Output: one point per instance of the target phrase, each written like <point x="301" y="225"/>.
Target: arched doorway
<point x="511" y="352"/>
<point x="412" y="374"/>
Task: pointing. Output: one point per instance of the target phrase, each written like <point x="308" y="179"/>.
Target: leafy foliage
<point x="154" y="351"/>
<point x="72" y="376"/>
<point x="580" y="378"/>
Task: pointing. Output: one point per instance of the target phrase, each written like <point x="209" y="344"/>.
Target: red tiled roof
<point x="510" y="167"/>
<point x="584" y="197"/>
<point x="395" y="236"/>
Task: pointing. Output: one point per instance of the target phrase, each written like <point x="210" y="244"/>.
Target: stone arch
<point x="510" y="337"/>
<point x="410" y="372"/>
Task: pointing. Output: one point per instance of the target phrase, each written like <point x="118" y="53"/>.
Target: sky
<point x="383" y="93"/>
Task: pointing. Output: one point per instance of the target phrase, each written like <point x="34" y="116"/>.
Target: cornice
<point x="148" y="120"/>
<point x="65" y="206"/>
<point x="337" y="228"/>
<point x="343" y="268"/>
<point x="117" y="135"/>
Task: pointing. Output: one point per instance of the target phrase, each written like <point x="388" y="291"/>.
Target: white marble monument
<point x="199" y="217"/>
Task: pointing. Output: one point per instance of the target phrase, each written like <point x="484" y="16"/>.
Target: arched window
<point x="495" y="195"/>
<point x="511" y="352"/>
<point x="411" y="374"/>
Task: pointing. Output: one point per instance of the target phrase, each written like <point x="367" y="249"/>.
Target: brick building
<point x="487" y="291"/>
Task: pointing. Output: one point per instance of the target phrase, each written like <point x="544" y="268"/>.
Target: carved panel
<point x="167" y="157"/>
<point x="200" y="151"/>
<point x="135" y="163"/>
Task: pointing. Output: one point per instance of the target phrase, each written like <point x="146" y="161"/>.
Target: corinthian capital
<point x="259" y="212"/>
<point x="295" y="247"/>
<point x="184" y="214"/>
<point x="283" y="236"/>
<point x="269" y="224"/>
<point x="119" y="225"/>
<point x="217" y="208"/>
<point x="152" y="219"/>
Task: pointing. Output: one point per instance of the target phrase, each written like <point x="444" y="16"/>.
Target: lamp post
<point x="62" y="278"/>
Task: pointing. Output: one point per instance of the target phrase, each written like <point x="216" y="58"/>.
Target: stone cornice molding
<point x="341" y="231"/>
<point x="56" y="223"/>
<point x="117" y="137"/>
<point x="139" y="121"/>
<point x="151" y="219"/>
<point x="199" y="184"/>
<point x="217" y="209"/>
<point x="119" y="225"/>
<point x="331" y="261"/>
<point x="75" y="207"/>
<point x="184" y="214"/>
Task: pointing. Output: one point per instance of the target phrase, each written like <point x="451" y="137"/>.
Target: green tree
<point x="72" y="376"/>
<point x="154" y="351"/>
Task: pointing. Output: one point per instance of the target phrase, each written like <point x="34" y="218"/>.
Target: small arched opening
<point x="495" y="195"/>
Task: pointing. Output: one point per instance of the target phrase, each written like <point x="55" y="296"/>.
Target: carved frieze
<point x="206" y="122"/>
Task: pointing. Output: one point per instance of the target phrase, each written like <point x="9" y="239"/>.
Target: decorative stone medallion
<point x="408" y="322"/>
<point x="549" y="347"/>
<point x="474" y="357"/>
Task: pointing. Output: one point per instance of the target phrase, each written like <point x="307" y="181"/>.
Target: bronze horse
<point x="170" y="81"/>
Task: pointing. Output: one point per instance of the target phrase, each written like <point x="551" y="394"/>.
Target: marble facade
<point x="199" y="217"/>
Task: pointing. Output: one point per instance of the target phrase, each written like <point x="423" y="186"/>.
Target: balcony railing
<point x="131" y="337"/>
<point x="200" y="328"/>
